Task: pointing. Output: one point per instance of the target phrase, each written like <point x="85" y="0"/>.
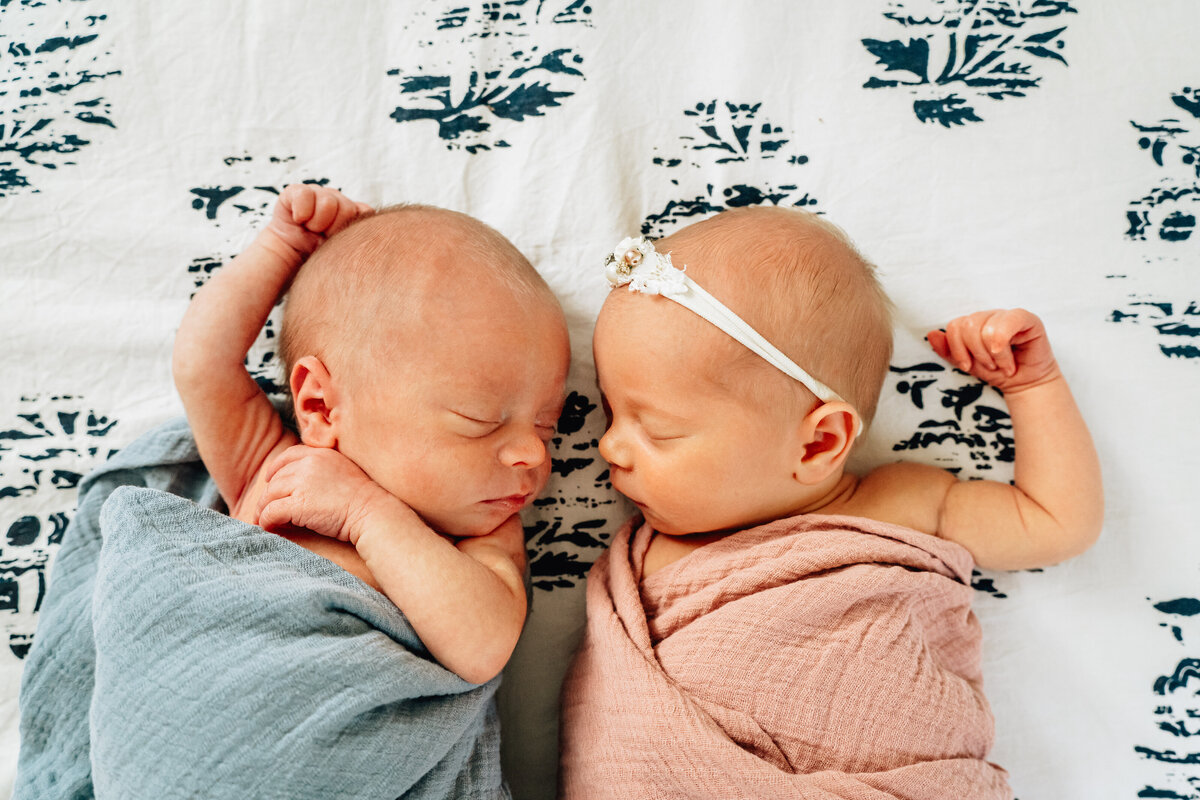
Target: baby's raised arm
<point x="234" y="423"/>
<point x="1055" y="508"/>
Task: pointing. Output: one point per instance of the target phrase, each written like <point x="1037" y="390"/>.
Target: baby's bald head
<point x="800" y="282"/>
<point x="402" y="271"/>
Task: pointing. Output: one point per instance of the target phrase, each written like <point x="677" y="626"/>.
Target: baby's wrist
<point x="379" y="513"/>
<point x="275" y="246"/>
<point x="1051" y="376"/>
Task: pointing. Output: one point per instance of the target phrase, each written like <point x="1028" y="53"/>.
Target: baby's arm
<point x="464" y="598"/>
<point x="234" y="423"/>
<point x="1056" y="507"/>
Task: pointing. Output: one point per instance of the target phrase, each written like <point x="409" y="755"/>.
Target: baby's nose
<point x="611" y="449"/>
<point x="525" y="450"/>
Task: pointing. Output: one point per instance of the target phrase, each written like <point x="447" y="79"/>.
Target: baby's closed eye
<point x="483" y="425"/>
<point x="659" y="426"/>
<point x="475" y="427"/>
<point x="663" y="434"/>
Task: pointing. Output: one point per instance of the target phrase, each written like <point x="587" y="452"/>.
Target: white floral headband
<point x="637" y="264"/>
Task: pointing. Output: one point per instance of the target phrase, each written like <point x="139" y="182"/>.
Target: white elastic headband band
<point x="637" y="264"/>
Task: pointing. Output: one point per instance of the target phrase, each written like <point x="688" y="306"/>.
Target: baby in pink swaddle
<point x="737" y="389"/>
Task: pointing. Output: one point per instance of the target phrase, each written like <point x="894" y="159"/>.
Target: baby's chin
<point x="471" y="523"/>
<point x="695" y="526"/>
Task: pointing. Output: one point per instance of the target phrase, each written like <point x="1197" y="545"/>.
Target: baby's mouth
<point x="513" y="502"/>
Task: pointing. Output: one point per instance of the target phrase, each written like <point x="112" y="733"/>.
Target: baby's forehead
<point x="659" y="358"/>
<point x="655" y="355"/>
<point x="631" y="320"/>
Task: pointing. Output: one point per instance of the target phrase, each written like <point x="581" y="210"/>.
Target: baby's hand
<point x="317" y="488"/>
<point x="1006" y="348"/>
<point x="306" y="215"/>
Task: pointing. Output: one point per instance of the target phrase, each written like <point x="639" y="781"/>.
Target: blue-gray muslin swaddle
<point x="182" y="653"/>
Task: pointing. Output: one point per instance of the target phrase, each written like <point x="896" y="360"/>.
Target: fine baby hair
<point x="798" y="280"/>
<point x="380" y="270"/>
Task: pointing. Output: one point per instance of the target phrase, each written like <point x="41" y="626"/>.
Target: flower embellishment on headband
<point x="635" y="262"/>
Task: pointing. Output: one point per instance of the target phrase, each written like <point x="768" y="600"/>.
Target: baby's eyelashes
<point x="549" y="416"/>
<point x="648" y="424"/>
<point x="474" y="427"/>
<point x="480" y="427"/>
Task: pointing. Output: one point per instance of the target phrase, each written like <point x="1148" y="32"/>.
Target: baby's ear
<point x="313" y="402"/>
<point x="826" y="435"/>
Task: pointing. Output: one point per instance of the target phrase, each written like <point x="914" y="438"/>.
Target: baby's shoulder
<point x="904" y="493"/>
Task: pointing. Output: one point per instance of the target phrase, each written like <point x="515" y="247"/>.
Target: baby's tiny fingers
<point x="288" y="456"/>
<point x="960" y="356"/>
<point x="325" y="213"/>
<point x="1021" y="326"/>
<point x="299" y="199"/>
<point x="970" y="329"/>
<point x="276" y="487"/>
<point x="274" y="464"/>
<point x="347" y="212"/>
<point x="999" y="344"/>
<point x="1010" y="330"/>
<point x="937" y="340"/>
<point x="277" y="514"/>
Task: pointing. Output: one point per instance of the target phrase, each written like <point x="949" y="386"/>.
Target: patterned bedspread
<point x="984" y="153"/>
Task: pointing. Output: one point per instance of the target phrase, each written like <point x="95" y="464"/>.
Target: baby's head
<point x="706" y="435"/>
<point x="424" y="347"/>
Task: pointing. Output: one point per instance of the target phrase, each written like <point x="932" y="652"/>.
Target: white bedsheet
<point x="1049" y="159"/>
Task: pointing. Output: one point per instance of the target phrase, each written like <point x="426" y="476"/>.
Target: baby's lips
<point x="511" y="503"/>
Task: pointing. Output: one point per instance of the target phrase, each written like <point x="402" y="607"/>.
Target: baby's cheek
<point x="413" y="479"/>
<point x="543" y="475"/>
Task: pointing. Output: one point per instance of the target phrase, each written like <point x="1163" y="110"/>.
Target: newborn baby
<point x="772" y="624"/>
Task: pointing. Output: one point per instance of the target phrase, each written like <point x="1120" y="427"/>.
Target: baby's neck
<point x="835" y="496"/>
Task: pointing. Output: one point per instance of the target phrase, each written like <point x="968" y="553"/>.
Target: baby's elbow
<point x="1082" y="530"/>
<point x="484" y="658"/>
<point x="1081" y="522"/>
<point x="1066" y="541"/>
<point x="1081" y="538"/>
<point x="479" y="673"/>
<point x="483" y="667"/>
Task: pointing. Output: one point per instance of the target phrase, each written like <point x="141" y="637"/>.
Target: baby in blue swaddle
<point x="187" y="652"/>
<point x="426" y="360"/>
